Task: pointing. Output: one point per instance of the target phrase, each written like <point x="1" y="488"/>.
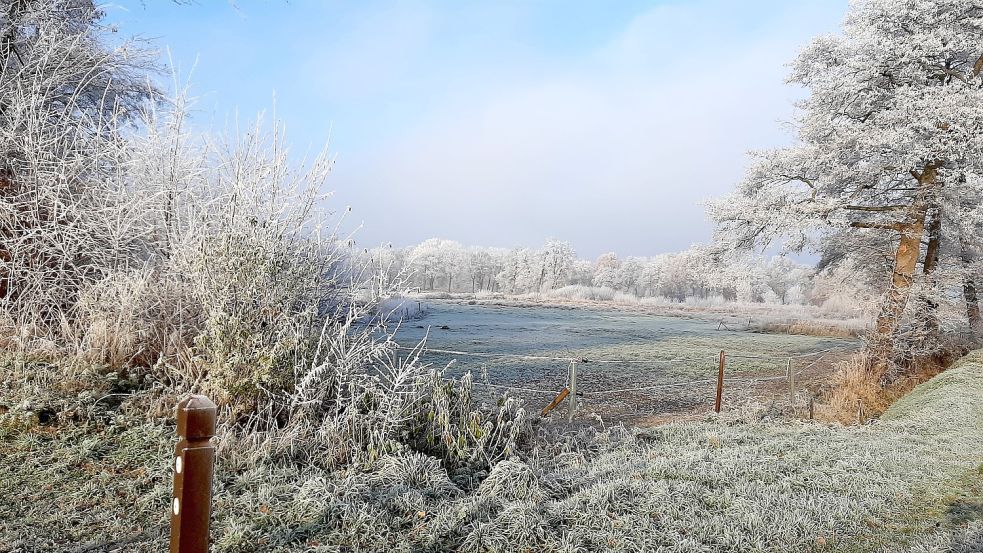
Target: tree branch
<point x="876" y="209"/>
<point x="881" y="226"/>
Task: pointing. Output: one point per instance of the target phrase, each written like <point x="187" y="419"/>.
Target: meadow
<point x="525" y="350"/>
<point x="911" y="482"/>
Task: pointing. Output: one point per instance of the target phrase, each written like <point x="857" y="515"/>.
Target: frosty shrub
<point x="147" y="262"/>
<point x="710" y="301"/>
<point x="65" y="101"/>
<point x="243" y="290"/>
<point x="583" y="293"/>
<point x="267" y="276"/>
<point x="136" y="318"/>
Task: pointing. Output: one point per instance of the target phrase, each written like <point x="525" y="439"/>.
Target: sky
<point x="504" y="123"/>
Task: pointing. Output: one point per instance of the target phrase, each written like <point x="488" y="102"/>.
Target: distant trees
<point x="438" y="264"/>
<point x="517" y="271"/>
<point x="606" y="270"/>
<point x="556" y="263"/>
<point x="889" y="144"/>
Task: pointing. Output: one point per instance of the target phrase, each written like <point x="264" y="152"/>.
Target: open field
<point x="794" y="318"/>
<point x="911" y="482"/>
<point x="619" y="350"/>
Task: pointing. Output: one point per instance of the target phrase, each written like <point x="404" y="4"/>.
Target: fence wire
<point x="673" y="385"/>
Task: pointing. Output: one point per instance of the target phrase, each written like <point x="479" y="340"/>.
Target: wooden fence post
<point x="194" y="460"/>
<point x="720" y="381"/>
<point x="573" y="391"/>
<point x="556" y="401"/>
<point x="791" y="384"/>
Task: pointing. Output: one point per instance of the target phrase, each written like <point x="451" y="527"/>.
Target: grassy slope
<point x="718" y="485"/>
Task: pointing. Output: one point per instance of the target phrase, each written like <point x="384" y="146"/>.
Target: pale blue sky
<point x="505" y="123"/>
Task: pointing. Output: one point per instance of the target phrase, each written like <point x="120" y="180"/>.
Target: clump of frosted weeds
<point x="512" y="480"/>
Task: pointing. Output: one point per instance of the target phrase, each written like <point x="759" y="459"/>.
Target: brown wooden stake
<point x="194" y="460"/>
<point x="556" y="401"/>
<point x="791" y="384"/>
<point x="812" y="406"/>
<point x="720" y="381"/>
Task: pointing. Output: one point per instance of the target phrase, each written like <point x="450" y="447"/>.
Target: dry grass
<point x="812" y="328"/>
<point x="857" y="395"/>
<point x="854" y="393"/>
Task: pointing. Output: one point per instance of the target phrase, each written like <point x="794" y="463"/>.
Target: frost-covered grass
<point x="624" y="350"/>
<point x="677" y="347"/>
<point x="830" y="319"/>
<point x="729" y="484"/>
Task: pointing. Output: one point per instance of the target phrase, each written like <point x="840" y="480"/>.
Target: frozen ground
<point x="620" y="351"/>
<point x="913" y="482"/>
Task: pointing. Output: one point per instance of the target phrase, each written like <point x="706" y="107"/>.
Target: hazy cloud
<point x="614" y="151"/>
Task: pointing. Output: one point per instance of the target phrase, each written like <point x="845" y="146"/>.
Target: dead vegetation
<point x="855" y="395"/>
<point x="811" y="328"/>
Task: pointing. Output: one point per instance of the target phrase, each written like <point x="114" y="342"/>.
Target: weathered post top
<point x="196" y="417"/>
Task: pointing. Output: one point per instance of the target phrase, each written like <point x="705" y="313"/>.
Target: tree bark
<point x="970" y="292"/>
<point x="905" y="260"/>
<point x="928" y="267"/>
<point x="973" y="309"/>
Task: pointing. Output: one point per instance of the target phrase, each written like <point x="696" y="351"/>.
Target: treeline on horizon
<point x="697" y="272"/>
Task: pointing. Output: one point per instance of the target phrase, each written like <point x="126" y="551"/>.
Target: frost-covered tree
<point x="64" y="96"/>
<point x="519" y="271"/>
<point x="785" y="276"/>
<point x="630" y="274"/>
<point x="452" y="259"/>
<point x="606" y="270"/>
<point x="556" y="262"/>
<point x="480" y="267"/>
<point x="425" y="259"/>
<point x="889" y="139"/>
<point x="685" y="274"/>
<point x="582" y="272"/>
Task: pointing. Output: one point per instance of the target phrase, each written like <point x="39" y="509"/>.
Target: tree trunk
<point x="973" y="309"/>
<point x="928" y="267"/>
<point x="970" y="292"/>
<point x="905" y="260"/>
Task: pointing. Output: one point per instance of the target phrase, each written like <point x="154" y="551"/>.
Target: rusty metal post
<point x="194" y="459"/>
<point x="720" y="381"/>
